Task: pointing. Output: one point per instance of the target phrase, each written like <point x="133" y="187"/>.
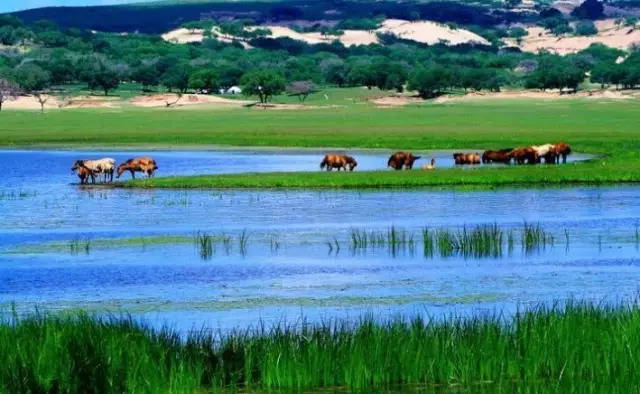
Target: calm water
<point x="288" y="270"/>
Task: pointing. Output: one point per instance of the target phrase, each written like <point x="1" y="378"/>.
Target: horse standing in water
<point x="562" y="149"/>
<point x="84" y="172"/>
<point x="466" y="158"/>
<point x="146" y="165"/>
<point x="400" y="160"/>
<point x="497" y="156"/>
<point x="338" y="161"/>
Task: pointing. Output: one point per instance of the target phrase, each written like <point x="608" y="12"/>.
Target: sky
<point x="16" y="5"/>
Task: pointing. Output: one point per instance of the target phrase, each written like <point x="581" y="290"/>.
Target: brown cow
<point x="466" y="158"/>
<point x="561" y="149"/>
<point x="497" y="156"/>
<point x="338" y="161"/>
<point x="83" y="172"/>
<point x="146" y="165"/>
<point x="400" y="160"/>
<point x="524" y="155"/>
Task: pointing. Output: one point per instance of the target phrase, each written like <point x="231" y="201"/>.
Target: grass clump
<point x="574" y="348"/>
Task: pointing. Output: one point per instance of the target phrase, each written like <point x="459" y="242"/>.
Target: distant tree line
<point x="41" y="55"/>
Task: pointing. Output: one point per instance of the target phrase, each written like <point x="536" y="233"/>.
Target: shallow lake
<point x="290" y="254"/>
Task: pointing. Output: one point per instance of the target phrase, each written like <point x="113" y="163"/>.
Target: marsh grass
<point x="77" y="246"/>
<point x="574" y="347"/>
<point x="481" y="241"/>
<point x="394" y="240"/>
<point x="535" y="238"/>
<point x="16" y="195"/>
<point x="207" y="244"/>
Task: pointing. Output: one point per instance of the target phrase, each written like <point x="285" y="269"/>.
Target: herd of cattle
<point x="91" y="169"/>
<point x="550" y="153"/>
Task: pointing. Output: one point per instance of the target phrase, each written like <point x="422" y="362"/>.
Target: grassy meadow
<point x="578" y="347"/>
<point x="607" y="128"/>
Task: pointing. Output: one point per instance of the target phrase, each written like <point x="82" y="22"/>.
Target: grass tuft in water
<point x="534" y="238"/>
<point x="77" y="246"/>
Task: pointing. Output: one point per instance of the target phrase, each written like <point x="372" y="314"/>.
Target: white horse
<point x="105" y="166"/>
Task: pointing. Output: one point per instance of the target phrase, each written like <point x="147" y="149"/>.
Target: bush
<point x="586" y="28"/>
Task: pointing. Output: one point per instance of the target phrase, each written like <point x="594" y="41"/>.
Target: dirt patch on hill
<point x="53" y="102"/>
<point x="609" y="34"/>
<point x="395" y="101"/>
<point x="171" y="100"/>
<point x="548" y="95"/>
<point x="426" y="32"/>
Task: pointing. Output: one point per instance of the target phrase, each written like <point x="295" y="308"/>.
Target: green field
<point x="609" y="129"/>
<point x="578" y="348"/>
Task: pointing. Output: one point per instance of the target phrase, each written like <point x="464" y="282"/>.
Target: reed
<point x="205" y="245"/>
<point x="572" y="348"/>
<point x="78" y="245"/>
<point x="534" y="238"/>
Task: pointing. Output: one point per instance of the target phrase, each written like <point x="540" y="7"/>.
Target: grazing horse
<point x="146" y="165"/>
<point x="544" y="151"/>
<point x="84" y="173"/>
<point x="338" y="161"/>
<point x="429" y="167"/>
<point x="562" y="149"/>
<point x="466" y="158"/>
<point x="400" y="160"/>
<point x="522" y="155"/>
<point x="497" y="156"/>
<point x="104" y="166"/>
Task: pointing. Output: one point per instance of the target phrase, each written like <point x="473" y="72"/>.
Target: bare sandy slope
<point x="532" y="94"/>
<point x="424" y="32"/>
<point x="30" y="102"/>
<point x="430" y="32"/>
<point x="608" y="34"/>
<point x="161" y="100"/>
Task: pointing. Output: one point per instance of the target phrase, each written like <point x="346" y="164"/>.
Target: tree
<point x="147" y="76"/>
<point x="177" y="77"/>
<point x="301" y="89"/>
<point x="262" y="83"/>
<point x="99" y="73"/>
<point x="429" y="81"/>
<point x="34" y="80"/>
<point x="590" y="9"/>
<point x="204" y="80"/>
<point x="8" y="91"/>
<point x="586" y="28"/>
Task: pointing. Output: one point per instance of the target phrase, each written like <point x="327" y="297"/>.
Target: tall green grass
<point x="579" y="347"/>
<point x="487" y="240"/>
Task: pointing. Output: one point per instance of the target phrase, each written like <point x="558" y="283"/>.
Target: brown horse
<point x="84" y="172"/>
<point x="400" y="160"/>
<point x="497" y="156"/>
<point x="466" y="158"/>
<point x="524" y="155"/>
<point x="146" y="165"/>
<point x="338" y="161"/>
<point x="561" y="149"/>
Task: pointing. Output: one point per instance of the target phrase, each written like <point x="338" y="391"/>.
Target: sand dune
<point x="424" y="32"/>
<point x="161" y="100"/>
<point x="608" y="34"/>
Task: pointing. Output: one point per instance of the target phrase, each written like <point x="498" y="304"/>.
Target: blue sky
<point x="15" y="5"/>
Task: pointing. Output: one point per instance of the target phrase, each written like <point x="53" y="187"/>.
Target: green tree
<point x="429" y="81"/>
<point x="262" y="83"/>
<point x="34" y="80"/>
<point x="586" y="28"/>
<point x="177" y="77"/>
<point x="204" y="80"/>
<point x="147" y="76"/>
